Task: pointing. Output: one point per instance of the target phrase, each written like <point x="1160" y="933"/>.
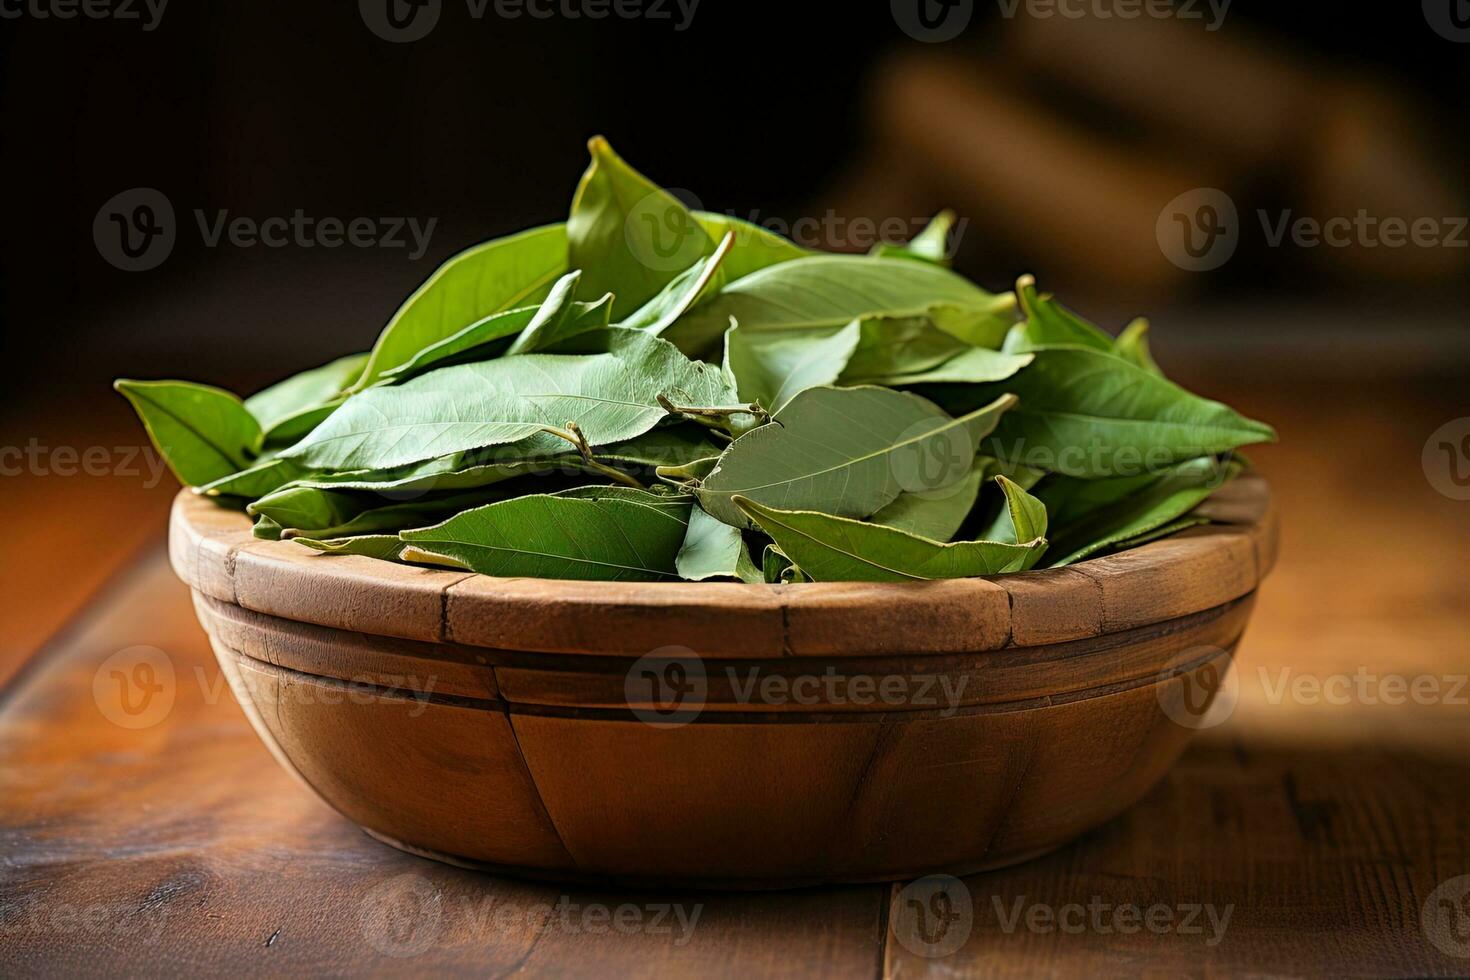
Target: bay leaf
<point x="771" y="368"/>
<point x="1130" y="518"/>
<point x="203" y="433"/>
<point x="1088" y="414"/>
<point x="383" y="546"/>
<point x="777" y="569"/>
<point x="1047" y="323"/>
<point x="1023" y="517"/>
<point x="494" y="277"/>
<point x="629" y="236"/>
<point x="824" y="292"/>
<point x="680" y="295"/>
<point x="848" y="451"/>
<point x="983" y="325"/>
<point x="266" y="529"/>
<point x="560" y="317"/>
<point x="1132" y="345"/>
<point x="613" y="536"/>
<point x="929" y="245"/>
<point x="753" y="247"/>
<point x="889" y="346"/>
<point x="839" y="549"/>
<point x="711" y="549"/>
<point x="613" y="397"/>
<point x="256" y="480"/>
<point x="289" y="409"/>
<point x="935" y="514"/>
<point x="319" y="513"/>
<point x="974" y="365"/>
<point x="478" y="338"/>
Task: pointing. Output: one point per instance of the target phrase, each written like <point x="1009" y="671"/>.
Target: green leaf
<point x="777" y="569"/>
<point x="772" y="368"/>
<point x="889" y="346"/>
<point x="612" y="396"/>
<point x="541" y="455"/>
<point x="629" y="236"/>
<point x="754" y="248"/>
<point x="384" y="546"/>
<point x="1049" y="324"/>
<point x="266" y="529"/>
<point x="475" y="339"/>
<point x="320" y="513"/>
<point x="561" y="318"/>
<point x="1132" y="346"/>
<point x="256" y="480"/>
<point x="686" y="473"/>
<point x="497" y="276"/>
<point x="929" y="245"/>
<point x="837" y="549"/>
<point x="711" y="549"/>
<point x="289" y="409"/>
<point x="746" y="569"/>
<point x="616" y="535"/>
<point x="203" y="433"/>
<point x="1068" y="498"/>
<point x="979" y="326"/>
<point x="680" y="295"/>
<point x="974" y="365"/>
<point x="1022" y="519"/>
<point x="849" y="451"/>
<point x="935" y="514"/>
<point x="1089" y="414"/>
<point x="1173" y="527"/>
<point x="1023" y="476"/>
<point x="1165" y="500"/>
<point x="824" y="292"/>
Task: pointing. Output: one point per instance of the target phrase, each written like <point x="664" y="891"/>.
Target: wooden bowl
<point x="726" y="735"/>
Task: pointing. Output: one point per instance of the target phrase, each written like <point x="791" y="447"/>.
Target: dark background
<point x="264" y="107"/>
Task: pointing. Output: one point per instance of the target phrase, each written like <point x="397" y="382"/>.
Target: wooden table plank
<point x="80" y="493"/>
<point x="183" y="847"/>
<point x="1263" y="860"/>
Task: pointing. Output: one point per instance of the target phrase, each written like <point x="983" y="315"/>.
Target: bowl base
<point x="703" y="883"/>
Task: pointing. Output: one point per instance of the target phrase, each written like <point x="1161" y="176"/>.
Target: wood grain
<point x="182" y="847"/>
<point x="1162" y="580"/>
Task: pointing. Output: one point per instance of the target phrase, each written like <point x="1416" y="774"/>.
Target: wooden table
<point x="1305" y="835"/>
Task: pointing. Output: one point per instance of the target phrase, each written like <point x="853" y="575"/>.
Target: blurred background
<point x="1280" y="186"/>
<point x="1061" y="141"/>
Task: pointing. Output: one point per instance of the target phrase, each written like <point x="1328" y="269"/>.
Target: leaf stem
<point x="573" y="433"/>
<point x="718" y="415"/>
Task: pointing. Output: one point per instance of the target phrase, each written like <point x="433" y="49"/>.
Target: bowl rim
<point x="213" y="550"/>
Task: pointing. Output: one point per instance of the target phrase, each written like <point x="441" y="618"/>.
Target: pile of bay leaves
<point x="651" y="393"/>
